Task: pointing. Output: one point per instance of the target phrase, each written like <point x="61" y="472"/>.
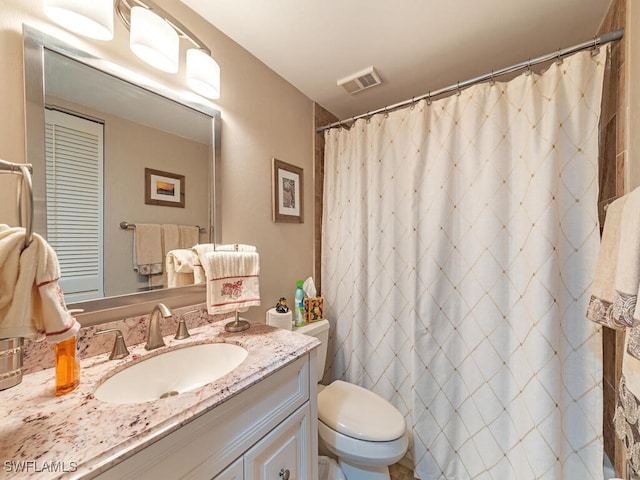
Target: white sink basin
<point x="171" y="373"/>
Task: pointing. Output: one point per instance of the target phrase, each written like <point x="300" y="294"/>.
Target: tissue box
<point x="313" y="307"/>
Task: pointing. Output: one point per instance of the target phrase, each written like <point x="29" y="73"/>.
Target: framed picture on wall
<point x="163" y="188"/>
<point x="287" y="192"/>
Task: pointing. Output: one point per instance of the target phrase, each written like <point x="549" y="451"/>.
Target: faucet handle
<point x="182" y="331"/>
<point x="119" y="347"/>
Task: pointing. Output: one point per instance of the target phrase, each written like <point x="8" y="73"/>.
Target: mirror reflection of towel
<point x="147" y="249"/>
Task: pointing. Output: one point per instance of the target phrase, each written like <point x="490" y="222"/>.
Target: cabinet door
<point x="285" y="453"/>
<point x="235" y="471"/>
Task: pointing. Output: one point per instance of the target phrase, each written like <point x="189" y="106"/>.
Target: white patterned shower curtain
<point x="459" y="245"/>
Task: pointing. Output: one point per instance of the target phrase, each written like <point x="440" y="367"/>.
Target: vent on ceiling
<point x="357" y="82"/>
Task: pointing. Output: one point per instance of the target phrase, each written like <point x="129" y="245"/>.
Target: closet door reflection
<point x="74" y="161"/>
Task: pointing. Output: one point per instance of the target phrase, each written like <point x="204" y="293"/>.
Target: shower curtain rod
<point x="594" y="43"/>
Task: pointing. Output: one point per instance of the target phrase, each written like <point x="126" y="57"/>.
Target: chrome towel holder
<point x="24" y="170"/>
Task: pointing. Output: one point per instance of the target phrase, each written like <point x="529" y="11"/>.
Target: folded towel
<point x="603" y="292"/>
<point x="189" y="236"/>
<point x="200" y="251"/>
<point x="180" y="267"/>
<point x="232" y="281"/>
<point x="170" y="238"/>
<point x="31" y="301"/>
<point x="147" y="249"/>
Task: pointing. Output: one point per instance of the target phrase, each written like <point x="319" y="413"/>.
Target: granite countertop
<point x="78" y="436"/>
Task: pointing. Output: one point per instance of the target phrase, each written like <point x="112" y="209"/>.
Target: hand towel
<point x="603" y="288"/>
<point x="232" y="281"/>
<point x="627" y="281"/>
<point x="180" y="267"/>
<point x="31" y="301"/>
<point x="147" y="249"/>
<point x="170" y="240"/>
<point x="189" y="236"/>
<point x="200" y="251"/>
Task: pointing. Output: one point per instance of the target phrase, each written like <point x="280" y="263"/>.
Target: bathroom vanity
<point x="257" y="422"/>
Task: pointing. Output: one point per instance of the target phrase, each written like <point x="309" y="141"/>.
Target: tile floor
<point x="399" y="472"/>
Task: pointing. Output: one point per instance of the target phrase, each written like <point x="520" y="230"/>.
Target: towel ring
<point x="26" y="179"/>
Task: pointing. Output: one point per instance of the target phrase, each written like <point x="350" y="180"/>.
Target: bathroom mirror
<point x="144" y="126"/>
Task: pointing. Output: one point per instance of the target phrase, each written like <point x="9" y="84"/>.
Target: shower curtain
<point x="459" y="244"/>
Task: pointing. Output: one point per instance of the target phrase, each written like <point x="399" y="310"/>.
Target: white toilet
<point x="362" y="429"/>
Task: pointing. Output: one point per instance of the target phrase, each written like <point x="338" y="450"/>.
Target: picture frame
<point x="288" y="192"/>
<point x="163" y="188"/>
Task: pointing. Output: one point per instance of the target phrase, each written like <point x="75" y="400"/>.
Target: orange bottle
<point x="67" y="366"/>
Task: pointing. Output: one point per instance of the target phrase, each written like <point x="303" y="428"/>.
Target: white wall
<point x="262" y="117"/>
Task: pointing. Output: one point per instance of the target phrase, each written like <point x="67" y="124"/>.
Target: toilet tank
<point x="320" y="330"/>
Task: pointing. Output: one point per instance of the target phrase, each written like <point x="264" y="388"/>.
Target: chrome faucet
<point x="154" y="336"/>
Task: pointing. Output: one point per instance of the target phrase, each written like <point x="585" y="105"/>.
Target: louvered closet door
<point x="74" y="159"/>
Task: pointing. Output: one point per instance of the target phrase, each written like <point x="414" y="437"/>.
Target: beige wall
<point x="262" y="117"/>
<point x="632" y="113"/>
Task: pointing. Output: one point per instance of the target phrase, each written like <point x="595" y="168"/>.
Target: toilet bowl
<point x="364" y="431"/>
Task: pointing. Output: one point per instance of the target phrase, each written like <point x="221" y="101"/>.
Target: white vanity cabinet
<point x="268" y="432"/>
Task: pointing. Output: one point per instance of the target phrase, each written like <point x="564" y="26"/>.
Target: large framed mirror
<point x="141" y="126"/>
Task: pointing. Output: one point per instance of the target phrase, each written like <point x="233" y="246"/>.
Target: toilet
<point x="364" y="431"/>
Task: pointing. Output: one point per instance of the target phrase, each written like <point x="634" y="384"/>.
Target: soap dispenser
<point x="68" y="363"/>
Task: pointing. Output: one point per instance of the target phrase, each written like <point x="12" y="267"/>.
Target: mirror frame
<point x="122" y="306"/>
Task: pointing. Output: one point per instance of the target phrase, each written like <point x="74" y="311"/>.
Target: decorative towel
<point x="189" y="236"/>
<point x="31" y="301"/>
<point x="232" y="280"/>
<point x="180" y="267"/>
<point x="603" y="292"/>
<point x="147" y="249"/>
<point x="200" y="252"/>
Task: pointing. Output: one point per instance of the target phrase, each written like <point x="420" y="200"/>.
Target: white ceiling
<point x="417" y="46"/>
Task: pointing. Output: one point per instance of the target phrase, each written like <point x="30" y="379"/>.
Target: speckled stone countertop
<point x="77" y="436"/>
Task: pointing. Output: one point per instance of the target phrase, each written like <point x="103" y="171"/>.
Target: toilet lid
<point x="359" y="413"/>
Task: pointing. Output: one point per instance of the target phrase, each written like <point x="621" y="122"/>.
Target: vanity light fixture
<point x="154" y="40"/>
<point x="92" y="19"/>
<point x="203" y="73"/>
<point x="150" y="29"/>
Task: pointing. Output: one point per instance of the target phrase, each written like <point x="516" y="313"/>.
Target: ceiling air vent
<point x="359" y="81"/>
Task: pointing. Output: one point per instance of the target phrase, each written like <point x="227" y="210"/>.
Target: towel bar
<point x="131" y="226"/>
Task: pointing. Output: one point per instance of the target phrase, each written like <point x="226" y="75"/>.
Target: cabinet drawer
<point x="234" y="471"/>
<point x="284" y="453"/>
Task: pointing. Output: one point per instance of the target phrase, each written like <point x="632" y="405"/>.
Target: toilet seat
<point x="359" y="413"/>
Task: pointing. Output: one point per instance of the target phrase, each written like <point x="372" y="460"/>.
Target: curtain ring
<point x="386" y="113"/>
<point x="458" y="89"/>
<point x="596" y="46"/>
<point x="528" y="72"/>
<point x="559" y="58"/>
<point x="413" y="103"/>
<point x="429" y="98"/>
<point x="492" y="81"/>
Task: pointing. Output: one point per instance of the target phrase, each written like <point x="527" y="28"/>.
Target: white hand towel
<point x="200" y="251"/>
<point x="232" y="281"/>
<point x="147" y="249"/>
<point x="627" y="281"/>
<point x="31" y="301"/>
<point x="189" y="236"/>
<point x="180" y="267"/>
<point x="603" y="288"/>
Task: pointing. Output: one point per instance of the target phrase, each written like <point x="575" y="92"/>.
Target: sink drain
<point x="172" y="393"/>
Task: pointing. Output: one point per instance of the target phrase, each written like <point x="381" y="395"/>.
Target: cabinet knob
<point x="285" y="474"/>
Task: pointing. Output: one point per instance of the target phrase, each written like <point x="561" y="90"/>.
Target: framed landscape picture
<point x="287" y="192"/>
<point x="163" y="188"/>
